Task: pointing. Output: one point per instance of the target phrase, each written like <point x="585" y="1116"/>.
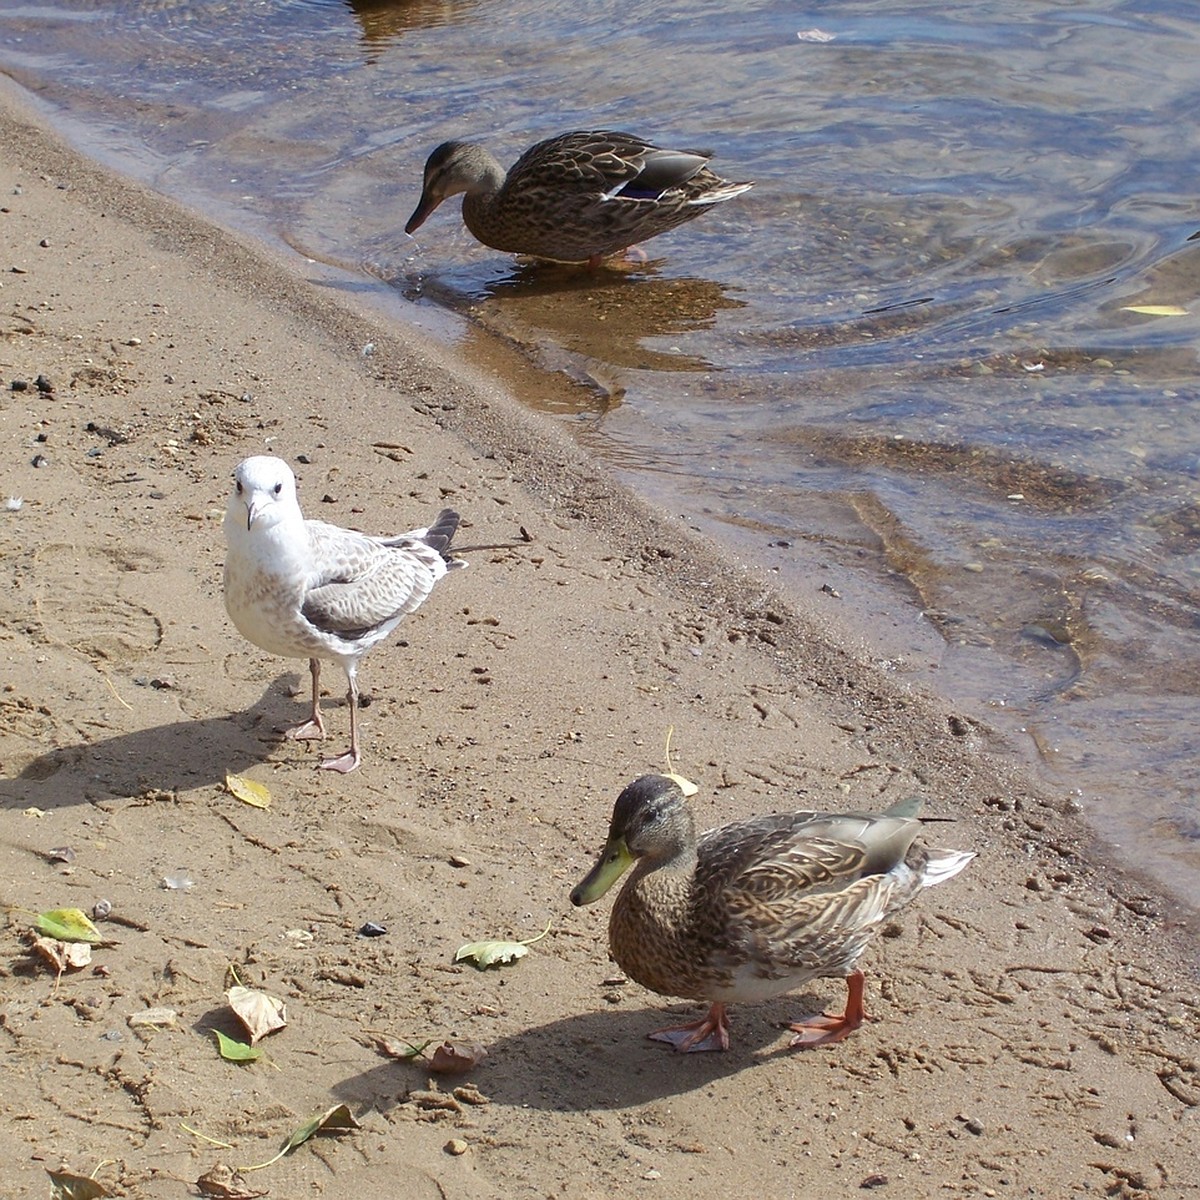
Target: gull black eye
<point x="278" y="488"/>
<point x="239" y="487"/>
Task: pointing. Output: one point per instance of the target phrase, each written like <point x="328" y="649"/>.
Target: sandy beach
<point x="1035" y="1019"/>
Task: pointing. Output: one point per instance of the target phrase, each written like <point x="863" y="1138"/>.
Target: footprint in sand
<point x="87" y="597"/>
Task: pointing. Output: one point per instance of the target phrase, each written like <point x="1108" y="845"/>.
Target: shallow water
<point x="904" y="365"/>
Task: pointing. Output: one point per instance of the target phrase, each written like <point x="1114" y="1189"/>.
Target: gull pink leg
<point x="345" y="763"/>
<point x="314" y="728"/>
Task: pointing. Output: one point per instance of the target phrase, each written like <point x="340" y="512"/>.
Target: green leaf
<point x="496" y="953"/>
<point x="333" y="1120"/>
<point x="490" y="954"/>
<point x="66" y="1185"/>
<point x="68" y="925"/>
<point x="235" y="1051"/>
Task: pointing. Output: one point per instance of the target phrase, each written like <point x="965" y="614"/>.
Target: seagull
<point x="307" y="589"/>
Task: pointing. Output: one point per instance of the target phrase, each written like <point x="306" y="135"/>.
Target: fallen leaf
<point x="491" y="954"/>
<point x="235" y="1051"/>
<point x="259" y="1013"/>
<point x="455" y="1058"/>
<point x="66" y="1185"/>
<point x="224" y="1183"/>
<point x="686" y="786"/>
<point x="333" y="1120"/>
<point x="401" y="1050"/>
<point x="1156" y="310"/>
<point x="153" y="1018"/>
<point x="248" y="791"/>
<point x="496" y="952"/>
<point x="68" y="925"/>
<point x="63" y="956"/>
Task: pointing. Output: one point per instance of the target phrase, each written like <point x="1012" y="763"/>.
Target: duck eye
<point x="278" y="488"/>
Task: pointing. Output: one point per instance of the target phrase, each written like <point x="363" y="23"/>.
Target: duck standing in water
<point x="577" y="198"/>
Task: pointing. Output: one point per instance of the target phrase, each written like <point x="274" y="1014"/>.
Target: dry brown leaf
<point x="63" y="956"/>
<point x="224" y="1183"/>
<point x="454" y="1058"/>
<point x="259" y="1013"/>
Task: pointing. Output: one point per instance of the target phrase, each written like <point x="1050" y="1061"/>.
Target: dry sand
<point x="1036" y="1017"/>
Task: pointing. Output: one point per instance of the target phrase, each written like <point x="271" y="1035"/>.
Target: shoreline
<point x="505" y="717"/>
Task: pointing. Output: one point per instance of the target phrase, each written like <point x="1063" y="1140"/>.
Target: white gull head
<point x="264" y="490"/>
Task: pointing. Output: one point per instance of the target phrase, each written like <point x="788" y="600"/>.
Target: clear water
<point x="905" y="364"/>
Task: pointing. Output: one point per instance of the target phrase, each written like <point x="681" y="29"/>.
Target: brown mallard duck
<point x="579" y="197"/>
<point x="756" y="908"/>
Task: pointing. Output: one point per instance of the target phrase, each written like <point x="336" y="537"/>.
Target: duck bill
<point x="613" y="862"/>
<point x="421" y="212"/>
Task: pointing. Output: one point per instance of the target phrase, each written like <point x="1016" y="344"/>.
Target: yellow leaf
<point x="248" y="791"/>
<point x="1156" y="310"/>
<point x="68" y="925"/>
<point x="686" y="786"/>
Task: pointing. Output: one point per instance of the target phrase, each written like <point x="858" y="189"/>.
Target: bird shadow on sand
<point x="190" y="753"/>
<point x="597" y="1060"/>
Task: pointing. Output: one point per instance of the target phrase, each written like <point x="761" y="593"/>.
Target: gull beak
<point x="253" y="508"/>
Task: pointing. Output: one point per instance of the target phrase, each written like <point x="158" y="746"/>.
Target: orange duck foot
<point x="825" y="1028"/>
<point x="711" y="1032"/>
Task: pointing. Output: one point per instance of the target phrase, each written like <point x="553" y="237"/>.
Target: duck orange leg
<point x="711" y="1032"/>
<point x="824" y="1028"/>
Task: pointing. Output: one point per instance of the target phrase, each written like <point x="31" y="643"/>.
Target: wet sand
<point x="1035" y="1019"/>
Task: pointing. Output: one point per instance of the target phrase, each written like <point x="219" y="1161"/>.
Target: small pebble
<point x="39" y="460"/>
<point x="43" y="384"/>
<point x="455" y="1146"/>
<point x="372" y="929"/>
<point x="101" y="910"/>
<point x="19" y="385"/>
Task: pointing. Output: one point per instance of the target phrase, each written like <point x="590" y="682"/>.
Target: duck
<point x="309" y="589"/>
<point x="755" y="908"/>
<point x="580" y="197"/>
